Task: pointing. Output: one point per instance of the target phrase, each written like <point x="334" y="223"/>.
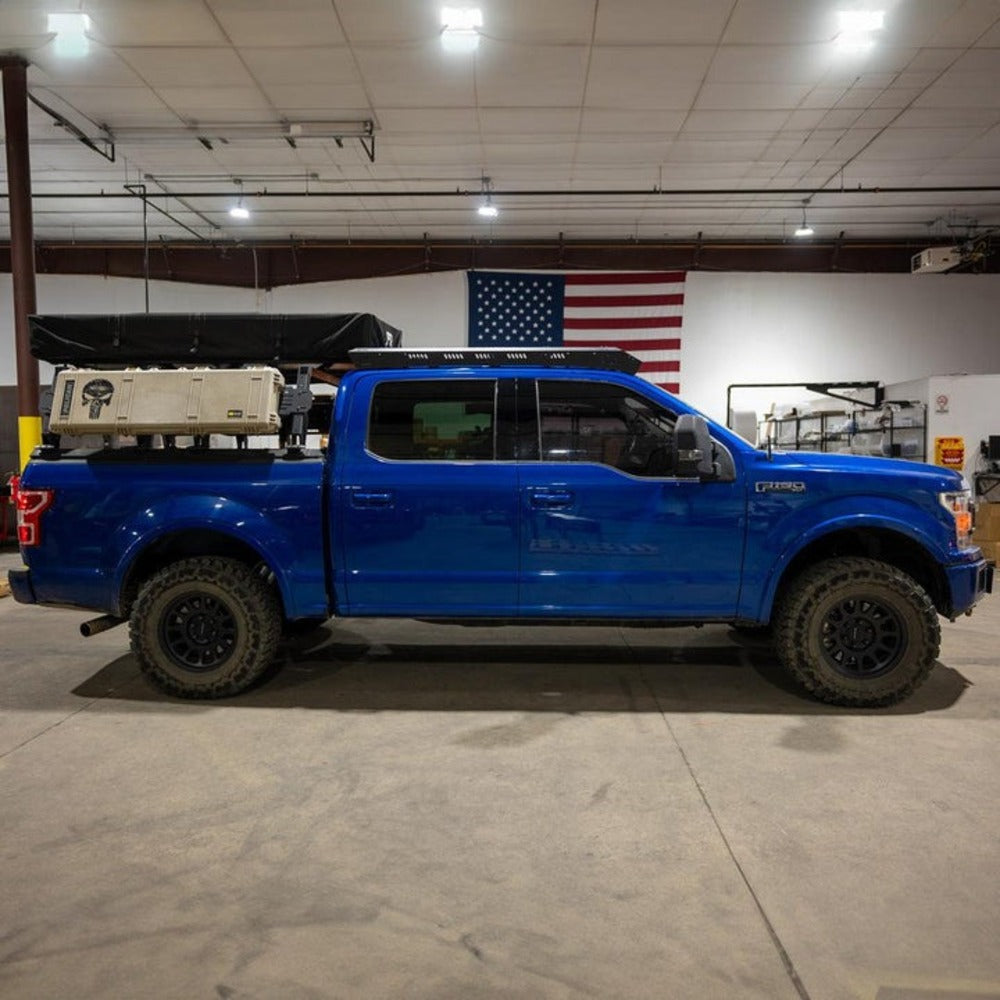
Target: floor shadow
<point x="334" y="669"/>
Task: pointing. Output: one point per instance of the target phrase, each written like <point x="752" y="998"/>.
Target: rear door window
<point x="434" y="420"/>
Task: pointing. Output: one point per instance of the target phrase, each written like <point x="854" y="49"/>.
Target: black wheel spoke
<point x="862" y="637"/>
<point x="199" y="632"/>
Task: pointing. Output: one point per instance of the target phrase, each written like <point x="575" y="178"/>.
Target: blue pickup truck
<point x="504" y="486"/>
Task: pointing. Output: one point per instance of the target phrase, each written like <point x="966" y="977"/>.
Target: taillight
<point x="30" y="505"/>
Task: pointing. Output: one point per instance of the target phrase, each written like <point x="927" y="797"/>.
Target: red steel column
<point x="22" y="248"/>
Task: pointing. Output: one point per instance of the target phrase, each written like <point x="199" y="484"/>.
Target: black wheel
<point x="205" y="628"/>
<point x="857" y="632"/>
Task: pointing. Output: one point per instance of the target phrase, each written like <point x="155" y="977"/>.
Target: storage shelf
<point x="846" y="432"/>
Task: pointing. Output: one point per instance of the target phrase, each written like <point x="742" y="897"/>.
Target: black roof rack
<point x="610" y="359"/>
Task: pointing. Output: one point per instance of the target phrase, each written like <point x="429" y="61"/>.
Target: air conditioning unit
<point x="935" y="260"/>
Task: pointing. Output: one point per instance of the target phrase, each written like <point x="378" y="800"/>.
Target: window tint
<point x="600" y="422"/>
<point x="517" y="436"/>
<point x="433" y="420"/>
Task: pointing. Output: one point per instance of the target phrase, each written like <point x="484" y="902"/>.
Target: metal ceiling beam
<point x="108" y="151"/>
<point x="797" y="193"/>
<point x="294" y="261"/>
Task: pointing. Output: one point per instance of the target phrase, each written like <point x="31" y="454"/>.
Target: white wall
<point x="71" y="293"/>
<point x="738" y="327"/>
<point x="430" y="309"/>
<point x="832" y="327"/>
<point x="971" y="412"/>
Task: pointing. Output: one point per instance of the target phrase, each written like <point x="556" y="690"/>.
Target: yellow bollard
<point x="29" y="436"/>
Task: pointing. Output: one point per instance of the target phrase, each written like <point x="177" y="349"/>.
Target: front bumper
<point x="969" y="583"/>
<point x="20" y="586"/>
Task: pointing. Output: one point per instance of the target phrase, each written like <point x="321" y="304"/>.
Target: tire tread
<point x="258" y="600"/>
<point x="793" y="623"/>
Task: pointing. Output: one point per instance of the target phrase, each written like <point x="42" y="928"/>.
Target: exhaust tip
<point x="97" y="625"/>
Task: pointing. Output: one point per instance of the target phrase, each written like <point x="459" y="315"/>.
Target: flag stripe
<point x="621" y="301"/>
<point x="650" y="312"/>
<point x="627" y="278"/>
<point x="623" y="291"/>
<point x="620" y="322"/>
<point x="634" y="345"/>
<point x="660" y="366"/>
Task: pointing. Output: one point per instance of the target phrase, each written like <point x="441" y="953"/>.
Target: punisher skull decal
<point x="97" y="392"/>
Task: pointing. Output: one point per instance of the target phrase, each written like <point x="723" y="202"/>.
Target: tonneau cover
<point x="135" y="339"/>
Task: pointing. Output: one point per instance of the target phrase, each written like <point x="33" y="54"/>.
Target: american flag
<point x="640" y="312"/>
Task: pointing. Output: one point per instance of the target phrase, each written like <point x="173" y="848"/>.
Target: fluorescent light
<point x="461" y="18"/>
<point x="856" y="28"/>
<point x="855" y="21"/>
<point x="805" y="229"/>
<point x="71" y="34"/>
<point x="488" y="210"/>
<point x="460" y="28"/>
<point x="239" y="212"/>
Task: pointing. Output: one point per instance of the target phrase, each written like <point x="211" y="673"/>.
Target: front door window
<point x="604" y="423"/>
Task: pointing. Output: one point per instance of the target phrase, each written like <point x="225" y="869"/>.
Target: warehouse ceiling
<point x="602" y="120"/>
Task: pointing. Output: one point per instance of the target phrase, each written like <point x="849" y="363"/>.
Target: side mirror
<point x="693" y="448"/>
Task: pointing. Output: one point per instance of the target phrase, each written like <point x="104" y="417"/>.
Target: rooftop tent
<point x="206" y="338"/>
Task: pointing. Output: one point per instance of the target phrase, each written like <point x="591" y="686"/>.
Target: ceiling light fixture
<point x="805" y="229"/>
<point x="857" y="28"/>
<point x="486" y="208"/>
<point x="239" y="210"/>
<point x="71" y="34"/>
<point x="460" y="28"/>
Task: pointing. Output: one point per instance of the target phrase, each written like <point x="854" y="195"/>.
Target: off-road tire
<point x="857" y="632"/>
<point x="205" y="628"/>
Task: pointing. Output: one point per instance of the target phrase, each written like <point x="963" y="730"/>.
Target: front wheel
<point x="205" y="628"/>
<point x="857" y="632"/>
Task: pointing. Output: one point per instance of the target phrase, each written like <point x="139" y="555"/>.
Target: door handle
<point x="371" y="498"/>
<point x="548" y="499"/>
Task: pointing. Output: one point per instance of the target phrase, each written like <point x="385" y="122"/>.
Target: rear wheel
<point x="857" y="632"/>
<point x="205" y="628"/>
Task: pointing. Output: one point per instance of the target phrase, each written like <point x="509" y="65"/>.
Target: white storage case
<point x="166" y="401"/>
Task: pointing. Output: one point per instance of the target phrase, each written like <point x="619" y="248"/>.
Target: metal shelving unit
<point x="889" y="431"/>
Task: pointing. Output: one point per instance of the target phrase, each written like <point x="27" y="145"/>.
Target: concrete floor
<point x="462" y="814"/>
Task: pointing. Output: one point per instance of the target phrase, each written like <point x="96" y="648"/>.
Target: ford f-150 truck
<point x="504" y="486"/>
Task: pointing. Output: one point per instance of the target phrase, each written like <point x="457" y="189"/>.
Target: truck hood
<point x="893" y="472"/>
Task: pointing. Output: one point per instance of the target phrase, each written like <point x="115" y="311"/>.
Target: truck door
<point x="427" y="510"/>
<point x="607" y="528"/>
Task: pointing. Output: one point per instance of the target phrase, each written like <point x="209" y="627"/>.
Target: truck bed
<point x="112" y="507"/>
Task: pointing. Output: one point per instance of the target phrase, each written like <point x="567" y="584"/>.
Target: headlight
<point x="960" y="507"/>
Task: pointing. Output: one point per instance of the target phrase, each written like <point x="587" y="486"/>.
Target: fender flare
<point x="830" y="526"/>
<point x="220" y="515"/>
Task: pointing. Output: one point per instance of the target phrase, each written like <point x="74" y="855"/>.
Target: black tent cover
<point x="129" y="339"/>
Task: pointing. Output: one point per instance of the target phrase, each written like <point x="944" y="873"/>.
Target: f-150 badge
<point x="780" y="487"/>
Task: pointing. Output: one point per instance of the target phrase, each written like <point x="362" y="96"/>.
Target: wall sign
<point x="949" y="452"/>
<point x="941" y="403"/>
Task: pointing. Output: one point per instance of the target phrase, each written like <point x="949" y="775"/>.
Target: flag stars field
<point x="640" y="312"/>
